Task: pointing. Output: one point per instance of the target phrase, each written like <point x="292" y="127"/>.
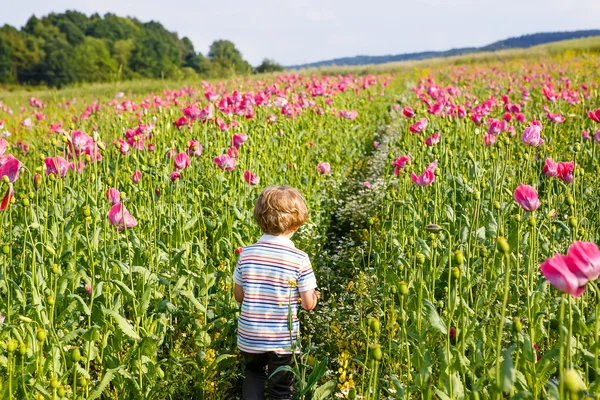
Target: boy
<point x="269" y="278"/>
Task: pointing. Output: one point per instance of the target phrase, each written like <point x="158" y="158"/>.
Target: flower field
<point x="453" y="216"/>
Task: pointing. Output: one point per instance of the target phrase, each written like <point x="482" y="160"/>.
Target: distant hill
<point x="522" y="42"/>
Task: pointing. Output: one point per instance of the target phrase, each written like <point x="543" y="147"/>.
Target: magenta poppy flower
<point x="402" y="161"/>
<point x="123" y="146"/>
<point x="192" y="111"/>
<point x="585" y="135"/>
<point x="8" y="196"/>
<point x="195" y="148"/>
<point x="427" y="177"/>
<point x="551" y="168"/>
<point x="120" y="217"/>
<point x="565" y="171"/>
<point x="324" y="168"/>
<point x="113" y="196"/>
<point x="531" y="136"/>
<point x="9" y="168"/>
<point x="151" y="147"/>
<point x="433" y="139"/>
<point x="238" y="139"/>
<point x="136" y="177"/>
<point x="174" y="176"/>
<point x="77" y="166"/>
<point x="233" y="152"/>
<point x="57" y="166"/>
<point x="181" y="161"/>
<point x="408" y="112"/>
<point x="419" y="126"/>
<point x="527" y="197"/>
<point x="594" y="115"/>
<point x="225" y="162"/>
<point x="477" y="118"/>
<point x="496" y="127"/>
<point x="182" y="121"/>
<point x="520" y="118"/>
<point x="250" y="178"/>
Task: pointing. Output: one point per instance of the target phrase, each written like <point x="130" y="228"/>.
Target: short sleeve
<point x="306" y="278"/>
<point x="237" y="274"/>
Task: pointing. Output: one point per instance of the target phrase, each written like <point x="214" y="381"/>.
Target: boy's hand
<point x="317" y="294"/>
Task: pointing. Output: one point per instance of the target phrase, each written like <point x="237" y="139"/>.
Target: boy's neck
<point x="287" y="235"/>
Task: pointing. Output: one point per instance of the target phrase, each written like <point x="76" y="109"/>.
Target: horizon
<point x="329" y="32"/>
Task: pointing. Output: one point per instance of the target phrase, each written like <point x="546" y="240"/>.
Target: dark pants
<point x="258" y="368"/>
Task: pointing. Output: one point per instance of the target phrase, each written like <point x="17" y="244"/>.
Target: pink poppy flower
<point x="324" y="168"/>
<point x="419" y="126"/>
<point x="496" y="127"/>
<point x="233" y="152"/>
<point x="556" y="118"/>
<point x="367" y="184"/>
<point x="120" y="217"/>
<point x="400" y="163"/>
<point x="57" y="166"/>
<point x="77" y="166"/>
<point x="531" y="136"/>
<point x="3" y="146"/>
<point x="195" y="148"/>
<point x="594" y="115"/>
<point x="151" y="147"/>
<point x="565" y="171"/>
<point x="408" y="112"/>
<point x="238" y="139"/>
<point x="551" y="168"/>
<point x="123" y="146"/>
<point x="113" y="196"/>
<point x="585" y="135"/>
<point x="136" y="177"/>
<point x="584" y="261"/>
<point x="556" y="271"/>
<point x="477" y="118"/>
<point x="225" y="162"/>
<point x="181" y="161"/>
<point x="239" y="250"/>
<point x="351" y="115"/>
<point x="376" y="145"/>
<point x="81" y="143"/>
<point x="174" y="176"/>
<point x="489" y="139"/>
<point x="527" y="197"/>
<point x="433" y="139"/>
<point x="427" y="177"/>
<point x="520" y="118"/>
<point x="250" y="178"/>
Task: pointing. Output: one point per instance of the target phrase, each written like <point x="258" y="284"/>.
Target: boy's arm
<point x="310" y="299"/>
<point x="238" y="292"/>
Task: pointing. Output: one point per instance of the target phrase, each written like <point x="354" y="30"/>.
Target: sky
<point x="300" y="31"/>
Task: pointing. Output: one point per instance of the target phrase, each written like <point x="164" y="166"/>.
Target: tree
<point x="93" y="61"/>
<point x="228" y="58"/>
<point x="268" y="66"/>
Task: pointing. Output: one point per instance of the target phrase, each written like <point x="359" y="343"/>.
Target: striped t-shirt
<point x="272" y="273"/>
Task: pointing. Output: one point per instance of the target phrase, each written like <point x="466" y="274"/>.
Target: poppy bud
<point x="37" y="181"/>
<point x="11" y="346"/>
<point x="403" y="286"/>
<point x="573" y="382"/>
<point x="455" y="272"/>
<point x="22" y="349"/>
<point x="53" y="382"/>
<point x="75" y="354"/>
<point x="572" y="222"/>
<point x="41" y="335"/>
<point x="433" y="228"/>
<point x="452" y="334"/>
<point x="81" y="381"/>
<point x="376" y="352"/>
<point x="531" y="221"/>
<point x="460" y="258"/>
<point x="352" y="394"/>
<point x="50" y="300"/>
<point x="503" y="245"/>
<point x="420" y="259"/>
<point x="61" y="392"/>
<point x="476" y="195"/>
<point x="497" y="205"/>
<point x="374" y="325"/>
<point x="517" y="325"/>
<point x="5" y="249"/>
<point x="86" y="211"/>
<point x="570" y="199"/>
<point x="581" y="231"/>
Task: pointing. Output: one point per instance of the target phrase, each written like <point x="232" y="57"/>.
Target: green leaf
<point x="315" y="375"/>
<point x="450" y="213"/>
<point x="325" y="391"/>
<point x="190" y="296"/>
<point x="84" y="307"/>
<point x="434" y="318"/>
<point x="122" y="323"/>
<point x="216" y="362"/>
<point x="103" y="384"/>
<point x="507" y="371"/>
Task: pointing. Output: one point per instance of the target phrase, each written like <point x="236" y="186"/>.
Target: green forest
<point x="70" y="48"/>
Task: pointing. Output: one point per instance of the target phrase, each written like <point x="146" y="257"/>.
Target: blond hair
<point x="279" y="210"/>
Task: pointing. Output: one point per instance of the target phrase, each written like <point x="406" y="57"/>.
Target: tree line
<point x="63" y="49"/>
